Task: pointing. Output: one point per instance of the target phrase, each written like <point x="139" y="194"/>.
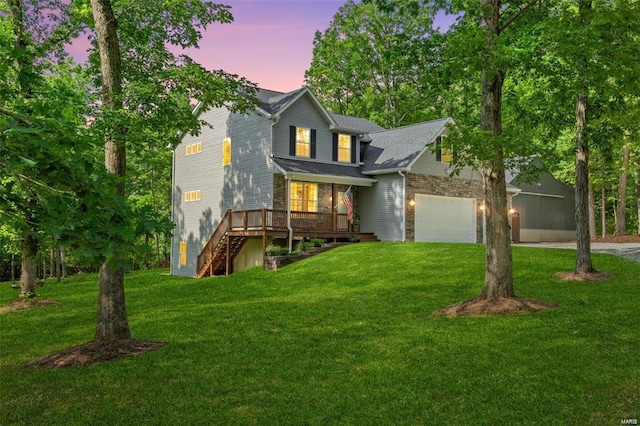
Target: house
<point x="280" y="174"/>
<point x="543" y="210"/>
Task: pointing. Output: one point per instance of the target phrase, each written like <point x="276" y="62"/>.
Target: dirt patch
<point x="618" y="239"/>
<point x="574" y="276"/>
<point x="502" y="306"/>
<point x="21" y="304"/>
<point x="95" y="353"/>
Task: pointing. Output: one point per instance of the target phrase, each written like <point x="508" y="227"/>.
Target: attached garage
<point x="445" y="219"/>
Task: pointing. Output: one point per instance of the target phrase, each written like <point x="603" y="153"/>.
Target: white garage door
<point x="447" y="219"/>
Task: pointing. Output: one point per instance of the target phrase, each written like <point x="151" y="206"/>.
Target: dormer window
<point x="302" y="142"/>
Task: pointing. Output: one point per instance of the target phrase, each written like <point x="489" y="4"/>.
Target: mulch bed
<point x="618" y="239"/>
<point x="574" y="276"/>
<point x="95" y="353"/>
<point x="21" y="304"/>
<point x="502" y="306"/>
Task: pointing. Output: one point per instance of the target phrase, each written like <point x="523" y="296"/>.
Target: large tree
<point x="145" y="100"/>
<point x="41" y="112"/>
<point x="375" y="61"/>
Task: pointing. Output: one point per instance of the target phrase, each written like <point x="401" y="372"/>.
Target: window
<point x="443" y="155"/>
<point x="304" y="197"/>
<point x="193" y="148"/>
<point x="303" y="142"/>
<point x="344" y="148"/>
<point x="226" y="152"/>
<point x="446" y="155"/>
<point x="192" y="196"/>
<point x="183" y="253"/>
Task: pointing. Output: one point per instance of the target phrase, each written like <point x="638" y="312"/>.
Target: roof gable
<point x="275" y="103"/>
<point x="399" y="148"/>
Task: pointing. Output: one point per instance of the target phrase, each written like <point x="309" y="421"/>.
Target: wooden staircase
<point x="236" y="227"/>
<point x="216" y="258"/>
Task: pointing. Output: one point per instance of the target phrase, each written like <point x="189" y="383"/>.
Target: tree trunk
<point x="112" y="316"/>
<point x="621" y="203"/>
<point x="63" y="262"/>
<point x="498" y="278"/>
<point x="583" y="257"/>
<point x="638" y="202"/>
<point x="603" y="211"/>
<point x="592" y="211"/>
<point x="29" y="267"/>
<point x="583" y="243"/>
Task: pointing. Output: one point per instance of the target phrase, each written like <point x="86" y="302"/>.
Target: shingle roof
<point x="311" y="167"/>
<point x="398" y="148"/>
<point x="272" y="101"/>
<point x="361" y="125"/>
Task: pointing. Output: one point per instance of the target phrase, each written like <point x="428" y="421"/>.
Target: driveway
<point x="626" y="250"/>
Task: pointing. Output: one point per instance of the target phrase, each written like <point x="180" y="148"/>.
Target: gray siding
<point x="245" y="184"/>
<point x="304" y="113"/>
<point x="428" y="165"/>
<point x="547" y="204"/>
<point x="380" y="208"/>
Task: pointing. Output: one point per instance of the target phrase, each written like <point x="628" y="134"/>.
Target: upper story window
<point x="304" y="197"/>
<point x="302" y="142"/>
<point x="226" y="152"/>
<point x="194" y="148"/>
<point x="443" y="155"/>
<point x="344" y="148"/>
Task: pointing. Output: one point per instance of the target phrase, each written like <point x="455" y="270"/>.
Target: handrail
<point x="270" y="220"/>
<point x="214" y="240"/>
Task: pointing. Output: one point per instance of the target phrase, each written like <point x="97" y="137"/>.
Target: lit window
<point x="304" y="197"/>
<point x="303" y="142"/>
<point x="199" y="147"/>
<point x="446" y="156"/>
<point x="186" y="197"/>
<point x="188" y="150"/>
<point x="226" y="152"/>
<point x="192" y="196"/>
<point x="183" y="253"/>
<point x="198" y="195"/>
<point x="344" y="148"/>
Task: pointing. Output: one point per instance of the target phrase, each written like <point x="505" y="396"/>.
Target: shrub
<point x="273" y="250"/>
<point x="317" y="242"/>
<point x="284" y="251"/>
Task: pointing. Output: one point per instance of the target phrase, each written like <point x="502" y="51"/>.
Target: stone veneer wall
<point x="446" y="187"/>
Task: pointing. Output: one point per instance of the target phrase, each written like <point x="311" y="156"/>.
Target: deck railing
<point x="276" y="220"/>
<point x="271" y="220"/>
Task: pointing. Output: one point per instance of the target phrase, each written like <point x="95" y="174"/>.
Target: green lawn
<point x="345" y="337"/>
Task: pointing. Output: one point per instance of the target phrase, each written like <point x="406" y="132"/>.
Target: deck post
<point x="227" y="266"/>
<point x="264" y="219"/>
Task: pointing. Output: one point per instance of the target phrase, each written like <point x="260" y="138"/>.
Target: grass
<point x="345" y="337"/>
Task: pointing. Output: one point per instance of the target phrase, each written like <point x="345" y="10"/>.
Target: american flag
<point x="347" y="203"/>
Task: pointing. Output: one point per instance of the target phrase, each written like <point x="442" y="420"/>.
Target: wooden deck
<point x="237" y="226"/>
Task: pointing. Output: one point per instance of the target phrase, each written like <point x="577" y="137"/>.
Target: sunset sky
<point x="270" y="42"/>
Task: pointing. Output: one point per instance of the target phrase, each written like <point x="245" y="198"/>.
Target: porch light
<point x="512" y="210"/>
<point x="412" y="202"/>
<point x="482" y="207"/>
